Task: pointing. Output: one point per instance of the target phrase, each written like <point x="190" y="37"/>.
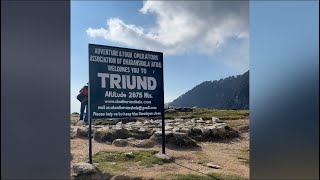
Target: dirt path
<point x="224" y="154"/>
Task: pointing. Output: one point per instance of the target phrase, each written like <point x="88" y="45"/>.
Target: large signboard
<point x="125" y="82"/>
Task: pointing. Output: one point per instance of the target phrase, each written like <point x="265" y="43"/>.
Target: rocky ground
<point x="199" y="147"/>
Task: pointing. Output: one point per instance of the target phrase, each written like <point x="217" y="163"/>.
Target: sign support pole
<point x="163" y="118"/>
<point x="89" y="113"/>
<point x="163" y="135"/>
<point x="90" y="140"/>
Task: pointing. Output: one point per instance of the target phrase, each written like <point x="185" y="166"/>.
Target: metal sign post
<point x="163" y="136"/>
<point x="163" y="124"/>
<point x="89" y="120"/>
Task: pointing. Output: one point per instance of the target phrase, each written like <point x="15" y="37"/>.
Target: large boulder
<point x="84" y="168"/>
<point x="142" y="133"/>
<point x="179" y="135"/>
<point x="157" y="136"/>
<point x="73" y="133"/>
<point x="216" y="120"/>
<point x="101" y="135"/>
<point x="82" y="132"/>
<point x="195" y="131"/>
<point x="182" y="142"/>
<point x="120" y="142"/>
<point x="81" y="123"/>
<point x="73" y="122"/>
<point x="104" y="134"/>
<point x="84" y="171"/>
<point x="146" y="143"/>
<point x="207" y="131"/>
<point x="122" y="133"/>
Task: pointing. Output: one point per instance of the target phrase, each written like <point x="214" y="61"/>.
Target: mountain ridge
<point x="227" y="93"/>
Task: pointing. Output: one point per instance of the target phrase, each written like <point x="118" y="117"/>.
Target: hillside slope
<point x="229" y="93"/>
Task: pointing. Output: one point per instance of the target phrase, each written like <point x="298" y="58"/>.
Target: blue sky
<point x="201" y="41"/>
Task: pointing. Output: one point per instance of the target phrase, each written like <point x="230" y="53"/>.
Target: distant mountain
<point x="229" y="93"/>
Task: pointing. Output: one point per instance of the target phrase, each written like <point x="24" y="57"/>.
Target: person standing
<point x="83" y="98"/>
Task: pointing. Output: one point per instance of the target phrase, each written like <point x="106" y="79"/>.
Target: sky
<point x="201" y="41"/>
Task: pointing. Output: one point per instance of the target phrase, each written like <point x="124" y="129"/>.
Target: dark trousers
<point x="84" y="106"/>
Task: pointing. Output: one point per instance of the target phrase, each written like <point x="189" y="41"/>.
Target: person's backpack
<point x="82" y="95"/>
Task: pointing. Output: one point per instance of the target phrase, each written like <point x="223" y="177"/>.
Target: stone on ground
<point x="120" y="142"/>
<point x="104" y="134"/>
<point x="182" y="142"/>
<point x="146" y="143"/>
<point x="82" y="132"/>
<point x="216" y="120"/>
<point x="210" y="165"/>
<point x="81" y="123"/>
<point x="84" y="168"/>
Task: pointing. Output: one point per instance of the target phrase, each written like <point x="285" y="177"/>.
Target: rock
<point x="142" y="143"/>
<point x="145" y="134"/>
<point x="108" y="142"/>
<point x="81" y="123"/>
<point x="168" y="128"/>
<point x="97" y="175"/>
<point x="143" y="130"/>
<point x="100" y="135"/>
<point x="195" y="131"/>
<point x="73" y="135"/>
<point x="175" y="129"/>
<point x="84" y="168"/>
<point x="221" y="130"/>
<point x="73" y="132"/>
<point x="73" y="122"/>
<point x="179" y="134"/>
<point x="82" y="132"/>
<point x="163" y="156"/>
<point x="200" y="121"/>
<point x="103" y="134"/>
<point x="131" y="139"/>
<point x="210" y="165"/>
<point x="208" y="122"/>
<point x="120" y="142"/>
<point x="123" y="177"/>
<point x="157" y="136"/>
<point x="170" y="110"/>
<point x="216" y="120"/>
<point x="122" y="133"/>
<point x="182" y="142"/>
<point x="206" y="132"/>
<point x="184" y="130"/>
<point x="129" y="154"/>
<point x="156" y="129"/>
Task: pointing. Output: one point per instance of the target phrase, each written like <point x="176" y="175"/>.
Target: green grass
<point x="210" y="176"/>
<point x="205" y="113"/>
<point x="236" y="123"/>
<point x="117" y="162"/>
<point x="244" y="156"/>
<point x="104" y="122"/>
<point x="202" y="157"/>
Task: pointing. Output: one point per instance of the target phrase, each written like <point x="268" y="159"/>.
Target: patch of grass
<point x="244" y="156"/>
<point x="236" y="123"/>
<point x="210" y="176"/>
<point x="206" y="113"/>
<point x="104" y="122"/>
<point x="202" y="157"/>
<point x="118" y="162"/>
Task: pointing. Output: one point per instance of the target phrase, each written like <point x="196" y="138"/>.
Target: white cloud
<point x="205" y="27"/>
